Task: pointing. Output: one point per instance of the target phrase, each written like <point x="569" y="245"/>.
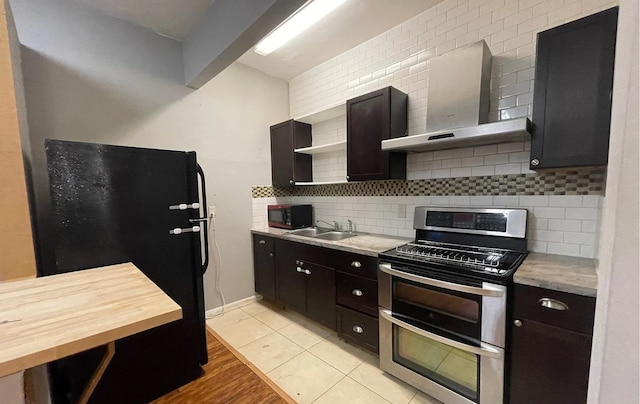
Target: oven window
<point x="451" y="367"/>
<point x="444" y="303"/>
<point x="454" y="312"/>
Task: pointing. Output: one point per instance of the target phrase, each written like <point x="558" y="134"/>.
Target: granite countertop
<point x="559" y="272"/>
<point x="363" y="243"/>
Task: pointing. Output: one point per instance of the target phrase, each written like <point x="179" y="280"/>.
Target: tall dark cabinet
<point x="572" y="93"/>
<point x="264" y="266"/>
<point x="372" y="118"/>
<point x="287" y="166"/>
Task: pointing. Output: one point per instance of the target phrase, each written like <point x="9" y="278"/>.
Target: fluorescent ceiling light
<point x="305" y="17"/>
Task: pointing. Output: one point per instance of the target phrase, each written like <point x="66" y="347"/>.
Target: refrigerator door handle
<point x="205" y="262"/>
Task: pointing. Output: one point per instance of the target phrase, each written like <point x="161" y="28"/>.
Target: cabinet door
<point x="288" y="167"/>
<point x="321" y="294"/>
<point x="572" y="93"/>
<point x="282" y="154"/>
<point x="264" y="266"/>
<point x="372" y="118"/>
<point x="548" y="364"/>
<point x="368" y="124"/>
<point x="290" y="282"/>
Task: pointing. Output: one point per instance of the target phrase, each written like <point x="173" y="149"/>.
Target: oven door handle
<point x="483" y="350"/>
<point x="485" y="291"/>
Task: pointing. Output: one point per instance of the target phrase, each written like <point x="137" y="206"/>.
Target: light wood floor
<point x="226" y="379"/>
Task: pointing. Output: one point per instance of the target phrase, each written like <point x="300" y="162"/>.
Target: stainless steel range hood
<point x="458" y="106"/>
<point x="489" y="133"/>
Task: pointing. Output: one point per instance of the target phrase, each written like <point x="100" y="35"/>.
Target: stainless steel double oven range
<point x="443" y="302"/>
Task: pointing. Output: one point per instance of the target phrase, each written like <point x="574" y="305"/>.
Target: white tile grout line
<point x="245" y="302"/>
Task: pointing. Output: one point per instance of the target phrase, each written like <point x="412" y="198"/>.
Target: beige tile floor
<point x="309" y="361"/>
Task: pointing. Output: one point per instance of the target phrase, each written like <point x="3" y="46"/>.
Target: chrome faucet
<point x="336" y="225"/>
<point x="350" y="225"/>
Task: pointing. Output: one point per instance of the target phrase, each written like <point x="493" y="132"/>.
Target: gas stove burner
<point x="485" y="259"/>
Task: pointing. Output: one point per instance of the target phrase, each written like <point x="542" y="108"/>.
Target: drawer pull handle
<point x="299" y="262"/>
<point x="517" y="323"/>
<point x="262" y="242"/>
<point x="357" y="329"/>
<point x="299" y="269"/>
<point x="356" y="264"/>
<point x="270" y="254"/>
<point x="357" y="292"/>
<point x="553" y="304"/>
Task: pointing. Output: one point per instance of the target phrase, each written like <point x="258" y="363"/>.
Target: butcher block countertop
<point x="558" y="272"/>
<point x="48" y="318"/>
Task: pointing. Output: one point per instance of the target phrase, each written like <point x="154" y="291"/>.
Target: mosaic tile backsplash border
<point x="575" y="182"/>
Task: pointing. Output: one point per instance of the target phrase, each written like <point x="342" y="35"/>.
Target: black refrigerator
<point x="113" y="204"/>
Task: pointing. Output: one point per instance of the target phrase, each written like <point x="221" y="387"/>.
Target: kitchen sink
<point x="323" y="234"/>
<point x="309" y="232"/>
<point x="335" y="235"/>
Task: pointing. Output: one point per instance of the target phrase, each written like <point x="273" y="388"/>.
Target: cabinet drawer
<point x="356" y="264"/>
<point x="357" y="293"/>
<point x="578" y="316"/>
<point x="357" y="328"/>
<point x="262" y="243"/>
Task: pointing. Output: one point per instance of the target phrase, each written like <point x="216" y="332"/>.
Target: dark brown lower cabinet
<point x="264" y="266"/>
<point x="358" y="328"/>
<point x="549" y="364"/>
<point x="551" y="335"/>
<point x="357" y="299"/>
<point x="305" y="282"/>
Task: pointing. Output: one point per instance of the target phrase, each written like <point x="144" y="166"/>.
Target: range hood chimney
<point x="458" y="105"/>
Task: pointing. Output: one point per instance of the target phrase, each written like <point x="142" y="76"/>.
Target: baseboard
<point x="233" y="305"/>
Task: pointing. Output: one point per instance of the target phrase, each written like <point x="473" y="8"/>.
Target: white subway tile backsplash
<point x="481" y="200"/>
<point x="400" y="57"/>
<point x="549" y="213"/>
<point x="483" y="170"/>
<point x="548" y="235"/>
<point x="504" y="169"/>
<point x="505" y="201"/>
<point x="461" y="172"/>
<point x="563" y="249"/>
<point x="582" y="213"/>
<point x="472" y="161"/>
<point x="534" y="200"/>
<point x="565" y="225"/>
<point x="589" y="226"/>
<point x="568" y="201"/>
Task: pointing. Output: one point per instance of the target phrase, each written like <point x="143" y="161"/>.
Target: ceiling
<point x="352" y="23"/>
<point x="171" y="18"/>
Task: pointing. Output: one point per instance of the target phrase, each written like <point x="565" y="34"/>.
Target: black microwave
<point x="290" y="216"/>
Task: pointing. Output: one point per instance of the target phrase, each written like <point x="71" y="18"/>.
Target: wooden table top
<point x="48" y="318"/>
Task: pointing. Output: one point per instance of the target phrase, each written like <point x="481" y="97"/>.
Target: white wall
<point x="614" y="361"/>
<point x="94" y="78"/>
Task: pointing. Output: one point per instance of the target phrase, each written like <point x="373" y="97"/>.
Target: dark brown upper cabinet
<point x="288" y="167"/>
<point x="572" y="93"/>
<point x="372" y="118"/>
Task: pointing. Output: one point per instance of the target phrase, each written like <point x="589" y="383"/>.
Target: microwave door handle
<point x="483" y="350"/>
<point x="386" y="268"/>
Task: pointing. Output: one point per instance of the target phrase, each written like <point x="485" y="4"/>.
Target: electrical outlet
<point x="212" y="211"/>
<point x="402" y="211"/>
